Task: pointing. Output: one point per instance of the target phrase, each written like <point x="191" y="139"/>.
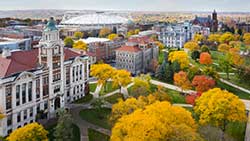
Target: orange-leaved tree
<point x="181" y="80"/>
<point x="205" y="58"/>
<point x="203" y="83"/>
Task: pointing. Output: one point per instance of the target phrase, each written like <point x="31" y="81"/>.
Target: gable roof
<point x="20" y="61"/>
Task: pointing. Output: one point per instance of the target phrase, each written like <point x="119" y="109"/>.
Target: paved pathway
<point x="235" y="86"/>
<point x="84" y="125"/>
<point x="247" y="134"/>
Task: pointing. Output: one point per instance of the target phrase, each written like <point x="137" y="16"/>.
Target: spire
<point x="51" y="26"/>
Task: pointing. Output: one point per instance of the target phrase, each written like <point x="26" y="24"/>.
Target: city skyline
<point x="130" y="5"/>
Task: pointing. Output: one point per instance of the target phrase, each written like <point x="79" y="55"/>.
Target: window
<point x="57" y="89"/>
<point x="24" y="93"/>
<point x="17" y="95"/>
<point x="8" y="97"/>
<point x="73" y="72"/>
<point x="25" y="114"/>
<point x="45" y="105"/>
<point x="18" y="117"/>
<point x="38" y="108"/>
<point x="9" y="120"/>
<point x="37" y="88"/>
<point x="31" y="112"/>
<point x="30" y="91"/>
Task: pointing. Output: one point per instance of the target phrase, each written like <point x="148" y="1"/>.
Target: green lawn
<point x="176" y="96"/>
<point x="76" y="133"/>
<point x="97" y="136"/>
<point x="114" y="98"/>
<point x="85" y="99"/>
<point x="92" y="87"/>
<point x="236" y="130"/>
<point x="235" y="80"/>
<point x="161" y="57"/>
<point x="239" y="93"/>
<point x="96" y="117"/>
<point x="108" y="88"/>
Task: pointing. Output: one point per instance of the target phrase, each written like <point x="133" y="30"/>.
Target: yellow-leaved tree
<point x="121" y="78"/>
<point x="191" y="45"/>
<point x="199" y="38"/>
<point x="218" y="108"/>
<point x="215" y="38"/>
<point x="156" y="122"/>
<point x="103" y="72"/>
<point x="78" y="35"/>
<point x="160" y="45"/>
<point x="226" y="38"/>
<point x="30" y="132"/>
<point x="246" y="38"/>
<point x="141" y="86"/>
<point x="181" y="57"/>
<point x="112" y="36"/>
<point x="104" y="32"/>
<point x="224" y="48"/>
<point x="80" y="45"/>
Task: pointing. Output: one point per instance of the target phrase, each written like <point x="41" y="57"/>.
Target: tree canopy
<point x="80" y="45"/>
<point x="30" y="132"/>
<point x="181" y="57"/>
<point x="158" y="121"/>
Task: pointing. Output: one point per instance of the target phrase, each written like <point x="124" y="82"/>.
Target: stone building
<point x="137" y="55"/>
<point x="39" y="81"/>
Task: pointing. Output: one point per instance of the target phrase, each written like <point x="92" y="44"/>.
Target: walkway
<point x="235" y="86"/>
<point x="247" y="134"/>
<point x="84" y="125"/>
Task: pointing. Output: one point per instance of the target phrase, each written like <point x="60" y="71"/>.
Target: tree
<point x="235" y="57"/>
<point x="210" y="71"/>
<point x="103" y="72"/>
<point x="80" y="45"/>
<point x="235" y="44"/>
<point x="137" y="31"/>
<point x="104" y="32"/>
<point x="191" y="45"/>
<point x="199" y="38"/>
<point x="225" y="65"/>
<point x="68" y="42"/>
<point x="141" y="86"/>
<point x="215" y="38"/>
<point x="246" y="38"/>
<point x="121" y="78"/>
<point x="205" y="48"/>
<point x="181" y="80"/>
<point x="158" y="121"/>
<point x="193" y="71"/>
<point x="112" y="36"/>
<point x="203" y="83"/>
<point x="223" y="48"/>
<point x="78" y="35"/>
<point x="205" y="58"/>
<point x="244" y="74"/>
<point x="30" y="132"/>
<point x="181" y="57"/>
<point x="226" y="38"/>
<point x="218" y="108"/>
<point x="160" y="45"/>
<point x="195" y="55"/>
<point x="63" y="130"/>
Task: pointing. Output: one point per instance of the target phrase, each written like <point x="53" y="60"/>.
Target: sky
<point x="138" y="5"/>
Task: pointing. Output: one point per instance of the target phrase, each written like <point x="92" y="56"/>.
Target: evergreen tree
<point x="64" y="130"/>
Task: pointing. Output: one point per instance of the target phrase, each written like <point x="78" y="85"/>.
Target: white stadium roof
<point x="95" y="19"/>
<point x="94" y="39"/>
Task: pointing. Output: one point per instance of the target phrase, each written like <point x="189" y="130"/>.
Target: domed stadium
<point x="94" y="21"/>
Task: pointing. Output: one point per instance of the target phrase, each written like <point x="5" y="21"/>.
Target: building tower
<point x="51" y="59"/>
<point x="214" y="22"/>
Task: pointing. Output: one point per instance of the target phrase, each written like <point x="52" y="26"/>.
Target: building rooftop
<point x="51" y="25"/>
<point x="20" y="61"/>
<point x="94" y="39"/>
<point x="95" y="19"/>
<point x="129" y="49"/>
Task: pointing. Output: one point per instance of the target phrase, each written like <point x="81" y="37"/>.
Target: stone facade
<point x="137" y="55"/>
<point x="57" y="76"/>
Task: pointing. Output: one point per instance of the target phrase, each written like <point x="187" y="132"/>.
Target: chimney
<point x="6" y="53"/>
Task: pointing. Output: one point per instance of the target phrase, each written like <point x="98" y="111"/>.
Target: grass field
<point x="97" y="136"/>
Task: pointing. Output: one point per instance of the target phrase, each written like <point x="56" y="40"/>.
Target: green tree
<point x="63" y="129"/>
<point x="78" y="35"/>
<point x="141" y="85"/>
<point x="68" y="42"/>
